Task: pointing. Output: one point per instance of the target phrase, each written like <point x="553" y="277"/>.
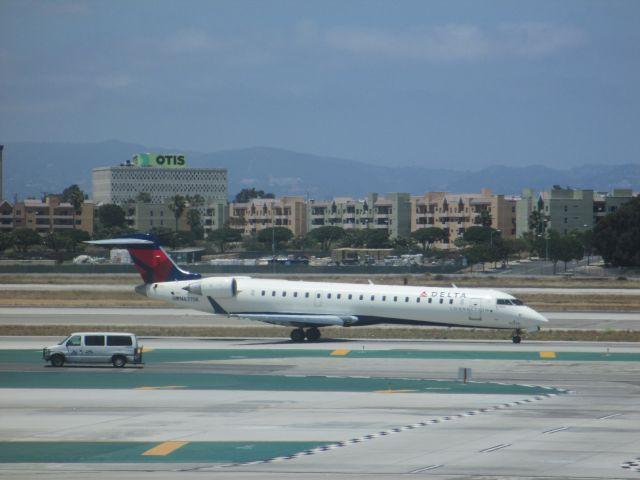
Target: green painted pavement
<point x="194" y="355"/>
<point x="131" y="452"/>
<point x="141" y="379"/>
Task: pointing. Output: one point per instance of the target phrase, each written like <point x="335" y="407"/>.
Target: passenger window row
<point x="360" y="297"/>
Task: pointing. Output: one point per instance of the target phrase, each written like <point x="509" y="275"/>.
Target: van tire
<point x="119" y="361"/>
<point x="57" y="361"/>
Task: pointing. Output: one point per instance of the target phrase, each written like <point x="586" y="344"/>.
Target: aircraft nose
<point x="535" y="319"/>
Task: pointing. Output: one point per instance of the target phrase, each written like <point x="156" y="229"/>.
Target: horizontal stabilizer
<point x="151" y="260"/>
<point x="120" y="242"/>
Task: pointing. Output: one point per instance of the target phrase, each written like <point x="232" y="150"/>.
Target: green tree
<point x="537" y="222"/>
<point x="111" y="216"/>
<point x="428" y="236"/>
<point x="569" y="248"/>
<point x="74" y="239"/>
<point x="554" y="248"/>
<point x="477" y="253"/>
<point x="485" y="218"/>
<point x="585" y="237"/>
<point x="478" y="235"/>
<point x="195" y="223"/>
<point x="222" y="236"/>
<point x="55" y="242"/>
<point x="327" y="235"/>
<point x="75" y="197"/>
<point x="23" y="238"/>
<point x="617" y="235"/>
<point x="177" y="204"/>
<point x="376" y="238"/>
<point x="247" y="194"/>
<point x="6" y="241"/>
<point x="278" y="234"/>
<point x="403" y="245"/>
<point x="302" y="242"/>
<point x="165" y="235"/>
<point x="143" y="197"/>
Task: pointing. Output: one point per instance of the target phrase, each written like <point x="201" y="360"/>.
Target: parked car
<point x="95" y="347"/>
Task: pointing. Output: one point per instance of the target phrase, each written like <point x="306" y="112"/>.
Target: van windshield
<point x="64" y="340"/>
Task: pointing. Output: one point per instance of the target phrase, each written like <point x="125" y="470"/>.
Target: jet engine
<point x="215" y="287"/>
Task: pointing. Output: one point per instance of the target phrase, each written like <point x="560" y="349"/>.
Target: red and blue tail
<point x="150" y="259"/>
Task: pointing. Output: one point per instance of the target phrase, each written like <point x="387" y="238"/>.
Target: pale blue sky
<point x="461" y="84"/>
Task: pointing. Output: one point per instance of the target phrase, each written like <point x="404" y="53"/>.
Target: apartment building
<point x="261" y="213"/>
<point x="391" y="212"/>
<point x="46" y="216"/>
<point x="455" y="212"/>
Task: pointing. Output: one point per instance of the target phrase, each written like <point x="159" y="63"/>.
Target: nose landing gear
<point x="516" y="338"/>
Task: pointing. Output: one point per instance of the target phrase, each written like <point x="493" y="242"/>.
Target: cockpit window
<point x="509" y="301"/>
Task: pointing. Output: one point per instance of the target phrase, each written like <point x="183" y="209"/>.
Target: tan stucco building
<point x="261" y="213"/>
<point x="46" y="216"/>
<point x="455" y="212"/>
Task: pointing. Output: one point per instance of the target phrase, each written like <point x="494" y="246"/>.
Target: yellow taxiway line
<point x="337" y="353"/>
<point x="164" y="449"/>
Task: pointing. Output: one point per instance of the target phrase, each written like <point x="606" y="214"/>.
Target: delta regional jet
<point x="309" y="306"/>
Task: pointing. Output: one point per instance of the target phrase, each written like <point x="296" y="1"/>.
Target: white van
<point x="95" y="347"/>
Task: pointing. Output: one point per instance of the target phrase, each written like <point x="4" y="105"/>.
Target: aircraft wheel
<point x="297" y="335"/>
<point x="313" y="334"/>
<point x="516" y="339"/>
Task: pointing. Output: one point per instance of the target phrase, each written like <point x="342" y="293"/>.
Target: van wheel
<point x="119" y="361"/>
<point x="57" y="361"/>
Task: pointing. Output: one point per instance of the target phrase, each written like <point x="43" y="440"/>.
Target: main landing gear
<point x="516" y="336"/>
<point x="312" y="335"/>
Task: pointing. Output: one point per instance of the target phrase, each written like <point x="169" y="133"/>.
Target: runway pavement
<point x="271" y="409"/>
<point x="175" y="317"/>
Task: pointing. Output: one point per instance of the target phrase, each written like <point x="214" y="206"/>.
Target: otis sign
<point x="159" y="160"/>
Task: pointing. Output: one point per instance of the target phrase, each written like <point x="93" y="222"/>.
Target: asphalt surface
<point x="271" y="409"/>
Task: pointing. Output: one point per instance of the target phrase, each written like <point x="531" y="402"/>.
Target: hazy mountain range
<point x="33" y="168"/>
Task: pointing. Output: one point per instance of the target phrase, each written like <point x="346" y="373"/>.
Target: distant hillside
<point x="32" y="169"/>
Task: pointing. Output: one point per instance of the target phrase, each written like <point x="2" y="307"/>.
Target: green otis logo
<point x="155" y="160"/>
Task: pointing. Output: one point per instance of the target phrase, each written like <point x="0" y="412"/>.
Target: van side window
<point x="74" y="341"/>
<point x="119" y="341"/>
<point x="94" y="340"/>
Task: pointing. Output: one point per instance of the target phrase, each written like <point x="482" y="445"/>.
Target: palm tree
<point x="177" y="204"/>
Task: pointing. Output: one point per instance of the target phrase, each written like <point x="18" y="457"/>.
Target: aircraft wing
<point x="300" y="320"/>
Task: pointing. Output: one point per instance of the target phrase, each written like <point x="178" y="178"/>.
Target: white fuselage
<point x="270" y="300"/>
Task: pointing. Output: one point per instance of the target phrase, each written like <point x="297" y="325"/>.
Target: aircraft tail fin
<point x="150" y="259"/>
